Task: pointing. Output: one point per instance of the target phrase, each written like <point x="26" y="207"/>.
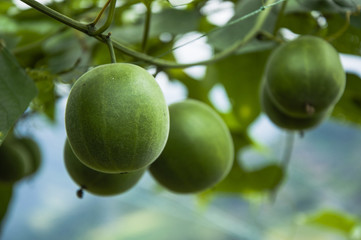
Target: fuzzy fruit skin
<point x="98" y="183"/>
<point x="116" y="118"/>
<point x="282" y="120"/>
<point x="199" y="151"/>
<point x="305" y="72"/>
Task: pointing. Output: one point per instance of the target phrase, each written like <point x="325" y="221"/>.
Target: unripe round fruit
<point x="98" y="183"/>
<point x="34" y="153"/>
<point x="14" y="162"/>
<point x="282" y="120"/>
<point x="305" y="77"/>
<point x="199" y="151"/>
<point x="116" y="118"/>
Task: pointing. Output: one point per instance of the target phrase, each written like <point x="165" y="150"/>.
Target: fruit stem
<point x="310" y="110"/>
<point x="111" y="48"/>
<point x="80" y="192"/>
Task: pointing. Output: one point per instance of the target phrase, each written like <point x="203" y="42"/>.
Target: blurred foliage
<point x="335" y="221"/>
<point x="54" y="54"/>
<point x="349" y="107"/>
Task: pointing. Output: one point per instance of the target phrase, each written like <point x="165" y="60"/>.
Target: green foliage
<point x="241" y="77"/>
<point x="17" y="90"/>
<point x="46" y="98"/>
<point x="348" y="109"/>
<point x="334" y="221"/>
<point x="264" y="179"/>
<point x="242" y="181"/>
<point x="330" y="5"/>
<point x="235" y="30"/>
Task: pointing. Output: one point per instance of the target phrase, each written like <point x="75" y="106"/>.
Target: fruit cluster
<point x="304" y="79"/>
<point x="20" y="158"/>
<point x="118" y="126"/>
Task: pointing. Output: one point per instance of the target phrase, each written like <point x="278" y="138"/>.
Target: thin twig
<point x="341" y="30"/>
<point x="101" y="13"/>
<point x="109" y="20"/>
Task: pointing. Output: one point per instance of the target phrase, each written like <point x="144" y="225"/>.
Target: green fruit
<point x="34" y="152"/>
<point x="305" y="77"/>
<point x="199" y="151"/>
<point x="116" y="118"/>
<point x="6" y="193"/>
<point x="14" y="162"/>
<point x="282" y="120"/>
<point x="98" y="183"/>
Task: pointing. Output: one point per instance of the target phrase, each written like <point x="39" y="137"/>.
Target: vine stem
<point x="341" y="30"/>
<point x="109" y="20"/>
<point x="148" y="14"/>
<point x="96" y="20"/>
<point x="263" y="13"/>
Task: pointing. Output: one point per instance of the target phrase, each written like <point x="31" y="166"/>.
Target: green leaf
<point x="349" y="107"/>
<point x="64" y="51"/>
<point x="241" y="77"/>
<point x="229" y="34"/>
<point x="6" y="191"/>
<point x="170" y="21"/>
<point x="175" y="21"/>
<point x="345" y="41"/>
<point x="46" y="99"/>
<point x="4" y="6"/>
<point x="196" y="89"/>
<point x="356" y="20"/>
<point x="351" y="5"/>
<point x="345" y="38"/>
<point x="300" y="23"/>
<point x="334" y="220"/>
<point x="241" y="181"/>
<point x="330" y="6"/>
<point x="16" y="91"/>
